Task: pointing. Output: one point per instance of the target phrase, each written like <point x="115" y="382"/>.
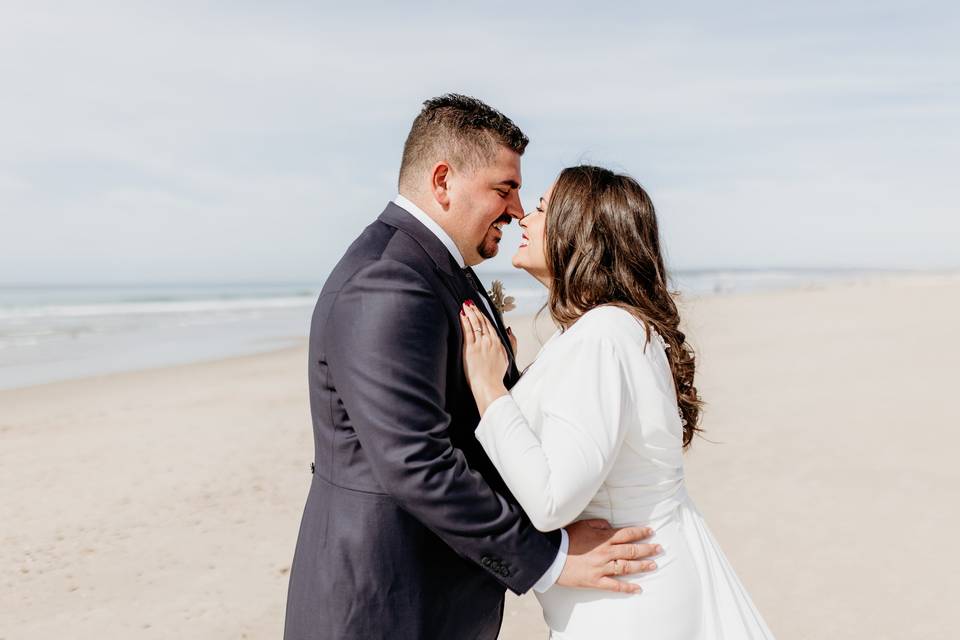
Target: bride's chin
<point x="518" y="263"/>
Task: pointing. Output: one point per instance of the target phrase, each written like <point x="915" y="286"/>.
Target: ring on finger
<point x="616" y="568"/>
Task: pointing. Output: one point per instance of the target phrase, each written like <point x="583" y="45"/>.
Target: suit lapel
<point x="452" y="277"/>
<point x="513" y="373"/>
<point x="400" y="218"/>
<point x="451" y="274"/>
<point x="497" y="318"/>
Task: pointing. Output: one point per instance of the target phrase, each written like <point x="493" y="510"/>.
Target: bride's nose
<point x="523" y="221"/>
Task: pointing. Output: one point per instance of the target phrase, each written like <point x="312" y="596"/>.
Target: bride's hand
<point x="484" y="358"/>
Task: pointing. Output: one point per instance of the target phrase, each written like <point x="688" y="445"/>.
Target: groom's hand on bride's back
<point x="599" y="553"/>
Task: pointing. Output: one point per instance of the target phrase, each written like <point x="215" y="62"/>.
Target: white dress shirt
<point x="553" y="573"/>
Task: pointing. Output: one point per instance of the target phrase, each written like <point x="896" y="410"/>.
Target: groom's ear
<point x="438" y="183"/>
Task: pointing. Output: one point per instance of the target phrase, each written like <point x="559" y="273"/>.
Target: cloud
<point x="246" y="141"/>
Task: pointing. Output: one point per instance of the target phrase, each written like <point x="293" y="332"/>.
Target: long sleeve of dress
<point x="555" y="473"/>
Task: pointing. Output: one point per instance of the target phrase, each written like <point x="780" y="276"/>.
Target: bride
<point x="596" y="426"/>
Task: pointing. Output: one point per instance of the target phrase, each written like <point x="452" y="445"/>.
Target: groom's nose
<point x="514" y="207"/>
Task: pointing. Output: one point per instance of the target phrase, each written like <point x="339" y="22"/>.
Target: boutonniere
<point x="502" y="302"/>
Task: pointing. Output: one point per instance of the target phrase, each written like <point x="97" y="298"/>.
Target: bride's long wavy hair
<point x="603" y="248"/>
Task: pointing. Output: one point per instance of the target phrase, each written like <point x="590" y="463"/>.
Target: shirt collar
<point x="432" y="225"/>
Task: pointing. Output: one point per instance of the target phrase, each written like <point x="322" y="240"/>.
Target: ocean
<point x="50" y="333"/>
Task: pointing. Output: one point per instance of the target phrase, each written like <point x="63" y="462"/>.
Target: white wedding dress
<point x="592" y="430"/>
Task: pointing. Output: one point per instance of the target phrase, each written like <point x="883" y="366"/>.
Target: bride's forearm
<point x="486" y="393"/>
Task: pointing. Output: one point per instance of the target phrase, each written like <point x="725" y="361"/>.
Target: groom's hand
<point x="597" y="552"/>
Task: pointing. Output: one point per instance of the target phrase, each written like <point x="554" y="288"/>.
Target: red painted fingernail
<point x="469" y="303"/>
<point x="462" y="312"/>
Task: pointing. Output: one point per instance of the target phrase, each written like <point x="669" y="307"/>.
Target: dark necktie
<point x="512" y="374"/>
<point x="467" y="271"/>
<point x="486" y="306"/>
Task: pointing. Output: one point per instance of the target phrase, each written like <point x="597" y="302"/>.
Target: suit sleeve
<point x="387" y="348"/>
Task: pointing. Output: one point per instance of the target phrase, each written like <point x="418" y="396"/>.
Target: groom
<point x="408" y="531"/>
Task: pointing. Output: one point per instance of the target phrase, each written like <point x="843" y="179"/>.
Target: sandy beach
<point x="165" y="503"/>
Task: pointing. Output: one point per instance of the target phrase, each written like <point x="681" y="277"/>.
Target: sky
<point x="252" y="141"/>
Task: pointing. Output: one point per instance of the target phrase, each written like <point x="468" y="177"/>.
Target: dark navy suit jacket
<point x="408" y="531"/>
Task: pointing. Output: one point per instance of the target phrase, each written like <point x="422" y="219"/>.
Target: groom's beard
<point x="491" y="242"/>
<point x="489" y="248"/>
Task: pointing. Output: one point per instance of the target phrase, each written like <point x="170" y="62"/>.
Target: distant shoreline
<point x="79" y="338"/>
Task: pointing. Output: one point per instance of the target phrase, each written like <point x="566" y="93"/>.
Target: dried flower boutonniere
<point x="503" y="303"/>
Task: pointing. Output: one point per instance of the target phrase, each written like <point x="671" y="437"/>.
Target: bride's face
<point x="531" y="255"/>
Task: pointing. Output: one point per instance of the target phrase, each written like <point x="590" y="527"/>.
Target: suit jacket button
<point x="485" y="561"/>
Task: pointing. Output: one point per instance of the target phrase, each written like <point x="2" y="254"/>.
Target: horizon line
<point x="318" y="282"/>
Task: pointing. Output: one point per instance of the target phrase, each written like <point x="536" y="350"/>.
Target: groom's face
<point x="483" y="202"/>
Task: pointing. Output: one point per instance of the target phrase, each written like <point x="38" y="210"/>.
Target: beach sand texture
<point x="165" y="503"/>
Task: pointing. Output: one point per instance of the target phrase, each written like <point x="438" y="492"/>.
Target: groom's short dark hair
<point x="460" y="129"/>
